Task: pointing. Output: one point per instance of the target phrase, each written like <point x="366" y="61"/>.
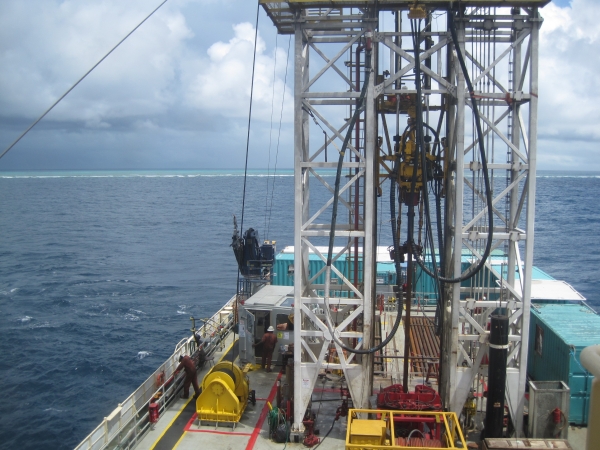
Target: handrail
<point x="127" y="423"/>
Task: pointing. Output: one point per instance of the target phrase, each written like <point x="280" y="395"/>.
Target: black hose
<point x="488" y="192"/>
<point x="336" y="195"/>
<point x="326" y="434"/>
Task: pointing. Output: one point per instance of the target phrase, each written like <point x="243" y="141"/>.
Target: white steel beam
<point x="314" y="340"/>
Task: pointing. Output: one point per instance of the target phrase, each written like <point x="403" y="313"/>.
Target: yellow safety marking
<point x="171" y="423"/>
<point x="177" y="443"/>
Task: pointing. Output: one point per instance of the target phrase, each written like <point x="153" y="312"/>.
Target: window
<point x="285" y="322"/>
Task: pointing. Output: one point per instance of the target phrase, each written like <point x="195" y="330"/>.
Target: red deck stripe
<point x="257" y="427"/>
<point x="263" y="416"/>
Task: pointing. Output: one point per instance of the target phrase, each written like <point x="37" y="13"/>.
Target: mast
<point x="498" y="41"/>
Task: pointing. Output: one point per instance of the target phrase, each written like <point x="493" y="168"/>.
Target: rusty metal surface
<point x="424" y="346"/>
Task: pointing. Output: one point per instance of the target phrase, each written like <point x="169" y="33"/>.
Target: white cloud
<point x="222" y="82"/>
<point x="569" y="137"/>
<point x="46" y="46"/>
<point x="570" y="79"/>
<point x="185" y="74"/>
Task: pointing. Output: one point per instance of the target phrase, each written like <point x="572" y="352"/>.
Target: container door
<point x="246" y="332"/>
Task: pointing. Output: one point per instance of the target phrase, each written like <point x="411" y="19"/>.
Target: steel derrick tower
<point x="336" y="44"/>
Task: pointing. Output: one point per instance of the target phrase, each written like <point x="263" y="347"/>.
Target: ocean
<point x="100" y="272"/>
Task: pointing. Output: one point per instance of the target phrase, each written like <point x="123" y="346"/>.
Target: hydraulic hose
<point x="488" y="192"/>
<point x="336" y="194"/>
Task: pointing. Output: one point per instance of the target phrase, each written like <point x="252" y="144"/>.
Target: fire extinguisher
<point x="556" y="413"/>
<point x="153" y="412"/>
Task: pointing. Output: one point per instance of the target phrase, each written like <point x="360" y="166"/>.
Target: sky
<point x="175" y="95"/>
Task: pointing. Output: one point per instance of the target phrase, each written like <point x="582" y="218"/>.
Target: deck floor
<point x="178" y="427"/>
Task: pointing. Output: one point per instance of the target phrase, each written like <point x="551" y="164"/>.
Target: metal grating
<point x="282" y="12"/>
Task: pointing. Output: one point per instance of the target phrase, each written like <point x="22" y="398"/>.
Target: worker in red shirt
<point x="186" y="363"/>
<point x="268" y="342"/>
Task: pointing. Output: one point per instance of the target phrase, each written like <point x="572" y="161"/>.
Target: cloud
<point x="222" y="83"/>
<point x="570" y="85"/>
<point x="182" y="78"/>
<point x="153" y="70"/>
<point x="182" y="82"/>
<point x="47" y="46"/>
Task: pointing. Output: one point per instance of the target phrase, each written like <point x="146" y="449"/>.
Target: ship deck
<point x="178" y="427"/>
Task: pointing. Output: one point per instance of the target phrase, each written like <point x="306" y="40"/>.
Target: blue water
<point x="100" y="271"/>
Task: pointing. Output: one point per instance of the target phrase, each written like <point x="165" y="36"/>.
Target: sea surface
<point x="100" y="272"/>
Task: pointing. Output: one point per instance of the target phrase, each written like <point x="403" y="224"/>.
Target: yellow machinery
<point x="375" y="429"/>
<point x="225" y="393"/>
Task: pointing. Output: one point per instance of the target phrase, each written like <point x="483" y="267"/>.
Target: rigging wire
<point x="271" y="128"/>
<point x="247" y="151"/>
<point x="278" y="136"/>
<point x="249" y="120"/>
<point x="79" y="81"/>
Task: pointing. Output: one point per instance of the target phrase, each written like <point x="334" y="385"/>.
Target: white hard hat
<point x="271" y="328"/>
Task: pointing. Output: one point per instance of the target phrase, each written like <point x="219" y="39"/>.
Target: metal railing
<point x="126" y="424"/>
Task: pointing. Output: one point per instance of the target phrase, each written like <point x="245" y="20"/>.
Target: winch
<point x="225" y="394"/>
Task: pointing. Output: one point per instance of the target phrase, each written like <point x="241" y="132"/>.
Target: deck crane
<point x="454" y="134"/>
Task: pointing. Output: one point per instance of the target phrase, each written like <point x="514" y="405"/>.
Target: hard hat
<point x="271" y="328"/>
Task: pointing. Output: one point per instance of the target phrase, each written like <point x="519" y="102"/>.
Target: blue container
<point x="283" y="270"/>
<point x="557" y="335"/>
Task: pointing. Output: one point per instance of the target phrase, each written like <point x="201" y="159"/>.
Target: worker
<point x="186" y="363"/>
<point x="268" y="342"/>
<point x="288" y="325"/>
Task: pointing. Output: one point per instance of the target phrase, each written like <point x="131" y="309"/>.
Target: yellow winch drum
<point x="224" y="394"/>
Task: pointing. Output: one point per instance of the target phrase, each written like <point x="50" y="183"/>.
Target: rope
<point x="249" y="120"/>
<point x="79" y="81"/>
<point x="271" y="129"/>
<point x="278" y="138"/>
<point x="247" y="147"/>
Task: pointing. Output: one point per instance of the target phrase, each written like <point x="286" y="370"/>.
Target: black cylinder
<point x="494" y="414"/>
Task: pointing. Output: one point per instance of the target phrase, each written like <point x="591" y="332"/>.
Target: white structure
<point x="499" y="42"/>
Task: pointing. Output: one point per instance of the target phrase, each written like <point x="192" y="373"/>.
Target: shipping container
<point x="558" y="332"/>
<point x="283" y="269"/>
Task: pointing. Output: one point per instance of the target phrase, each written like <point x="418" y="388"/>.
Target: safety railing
<point x="126" y="424"/>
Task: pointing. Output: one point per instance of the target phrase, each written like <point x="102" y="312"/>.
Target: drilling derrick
<point x="452" y="139"/>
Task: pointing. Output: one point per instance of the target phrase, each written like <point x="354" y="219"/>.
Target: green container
<point x="557" y="335"/>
